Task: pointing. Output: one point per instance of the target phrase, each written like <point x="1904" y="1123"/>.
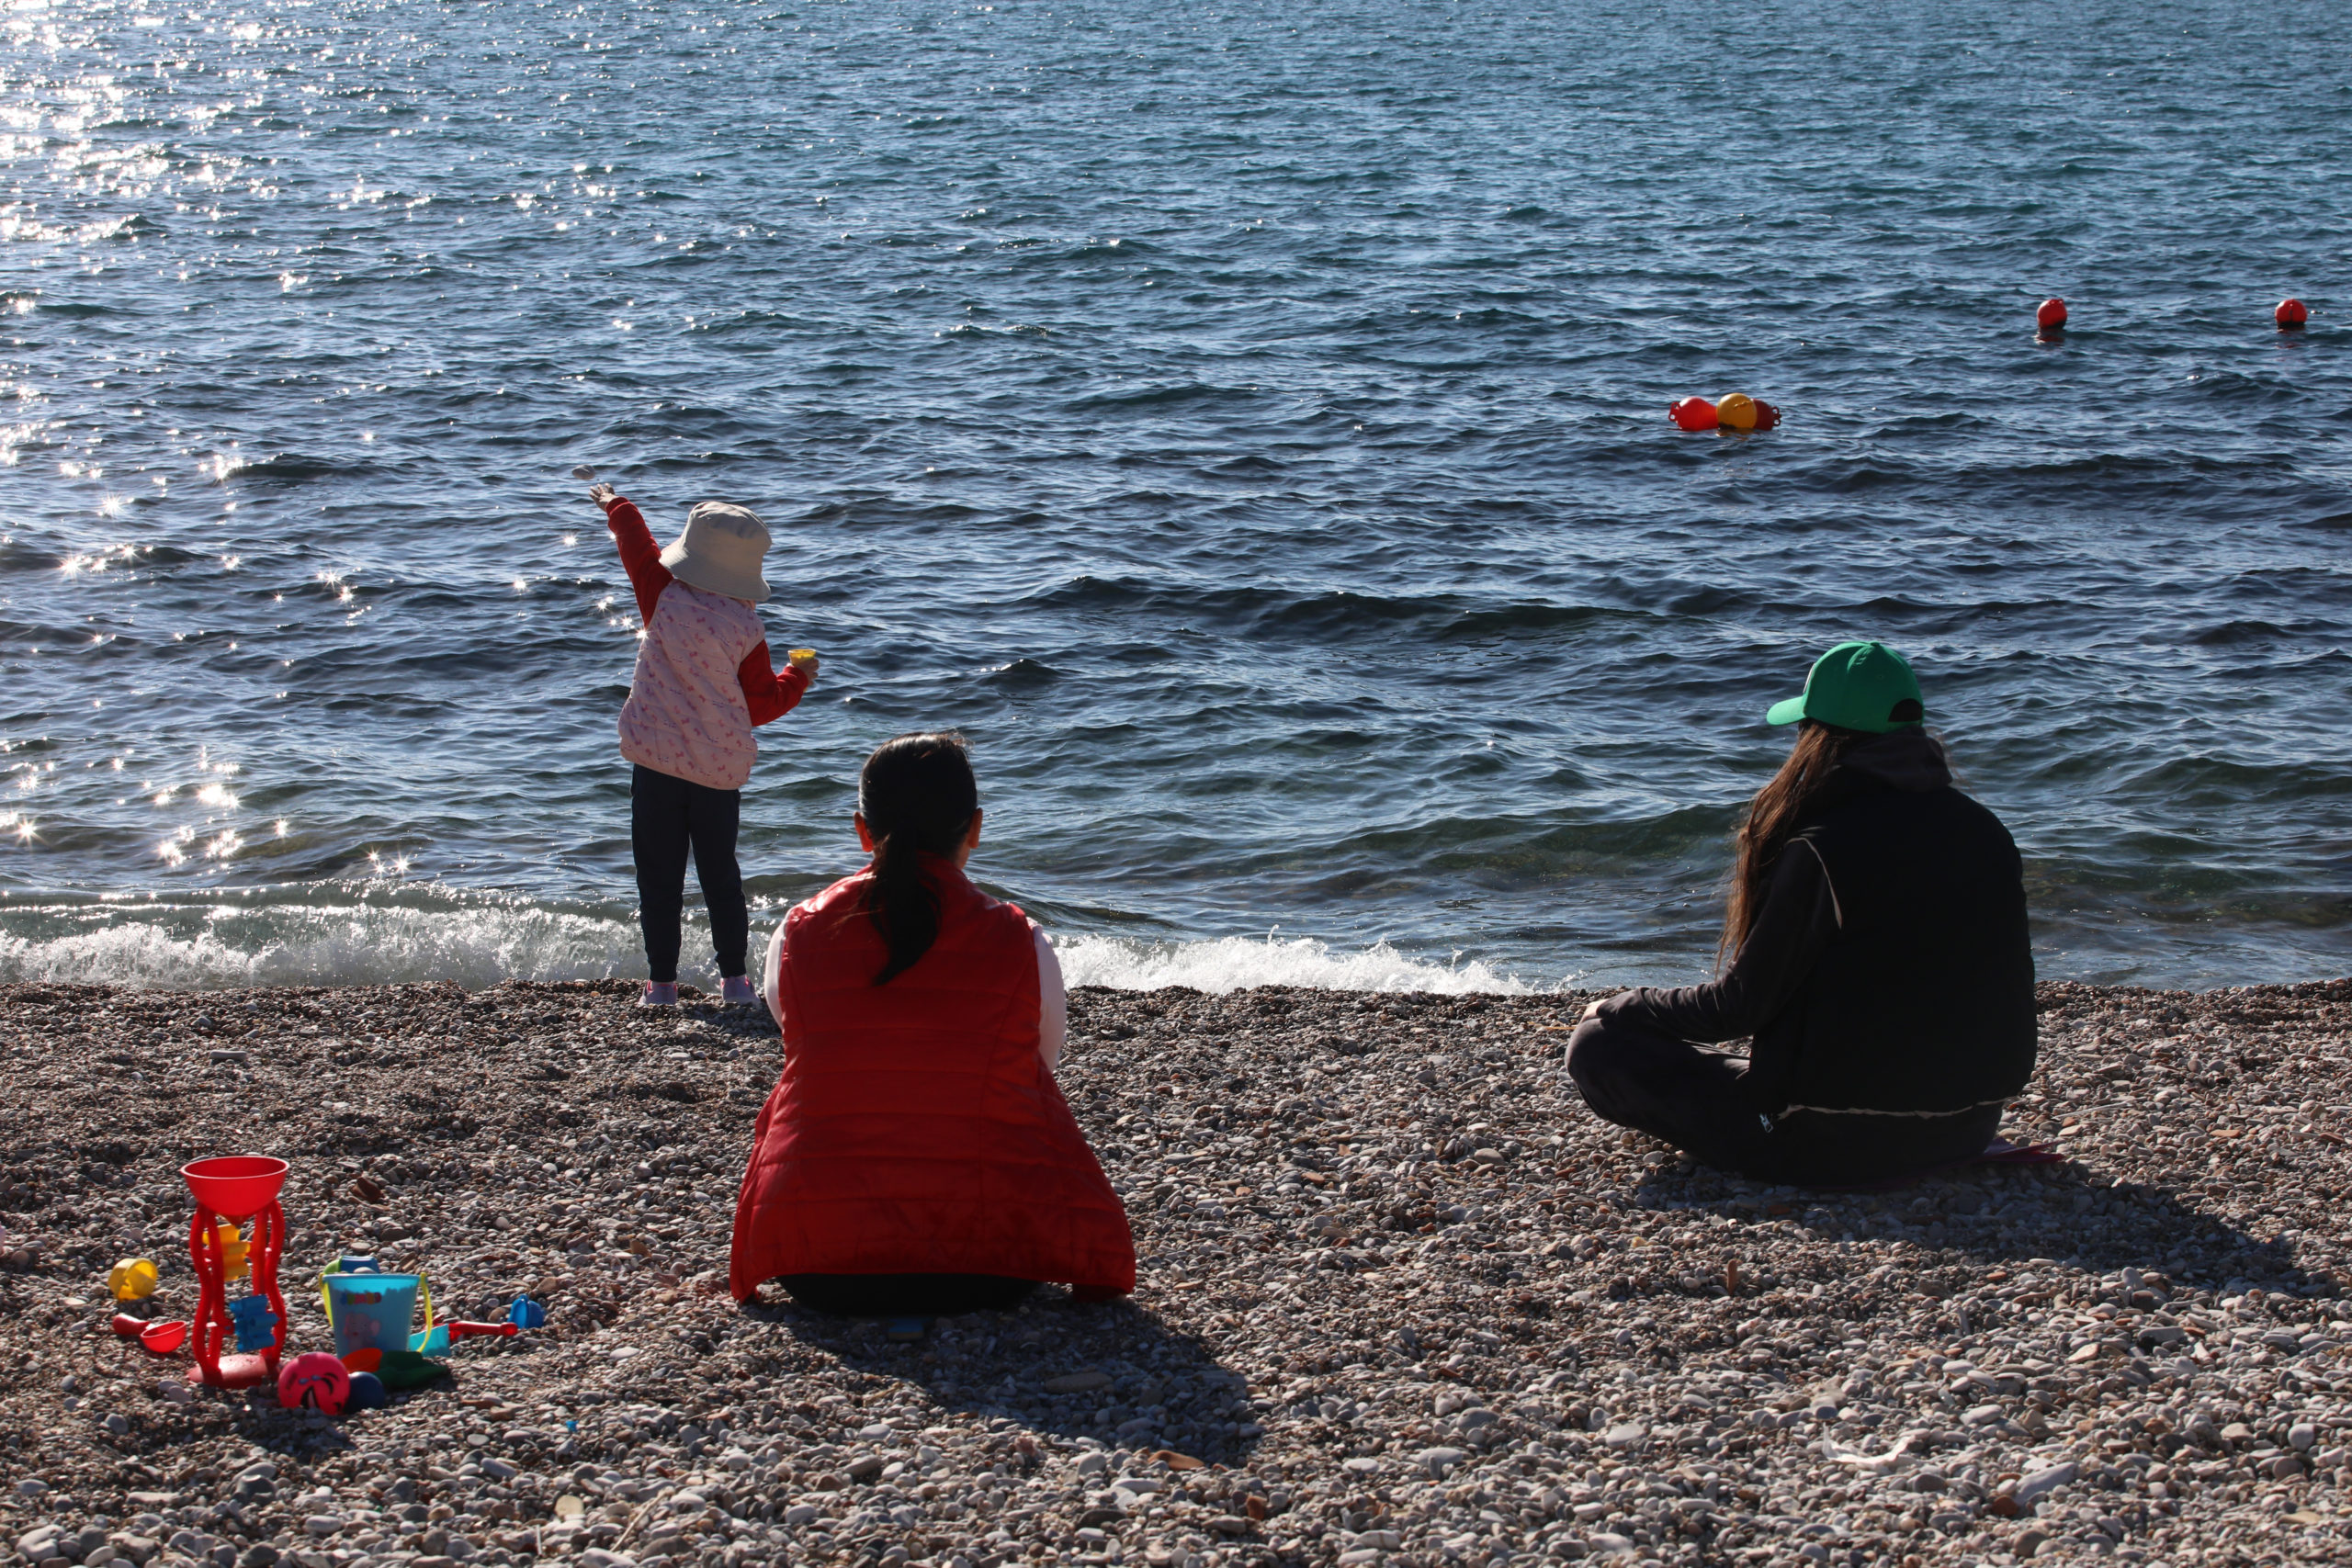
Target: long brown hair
<point x="1775" y="814"/>
<point x="917" y="794"/>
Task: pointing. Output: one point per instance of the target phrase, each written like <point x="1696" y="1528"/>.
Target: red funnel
<point x="235" y="1187"/>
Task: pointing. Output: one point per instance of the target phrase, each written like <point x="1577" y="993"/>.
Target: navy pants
<point x="668" y="818"/>
<point x="1692" y="1097"/>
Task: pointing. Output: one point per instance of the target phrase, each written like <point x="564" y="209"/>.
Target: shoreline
<point x="1393" y="1316"/>
<point x="341" y="934"/>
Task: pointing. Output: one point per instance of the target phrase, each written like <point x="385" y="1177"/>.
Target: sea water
<point x="1246" y="422"/>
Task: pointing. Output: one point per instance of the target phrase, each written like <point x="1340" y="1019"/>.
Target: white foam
<point x="354" y="935"/>
<point x="361" y="942"/>
<point x="1233" y="963"/>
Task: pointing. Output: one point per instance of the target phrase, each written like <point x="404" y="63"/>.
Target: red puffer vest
<point x="914" y="1130"/>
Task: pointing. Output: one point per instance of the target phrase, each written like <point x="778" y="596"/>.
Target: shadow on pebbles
<point x="1404" y="1301"/>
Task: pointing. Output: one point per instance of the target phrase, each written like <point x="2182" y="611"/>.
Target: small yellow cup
<point x="802" y="656"/>
<point x="132" y="1280"/>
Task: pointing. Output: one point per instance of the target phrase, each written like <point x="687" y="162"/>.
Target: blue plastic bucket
<point x="370" y="1311"/>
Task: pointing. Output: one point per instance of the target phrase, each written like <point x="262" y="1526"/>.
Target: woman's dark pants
<point x="1691" y="1098"/>
<point x="905" y="1295"/>
<point x="668" y="816"/>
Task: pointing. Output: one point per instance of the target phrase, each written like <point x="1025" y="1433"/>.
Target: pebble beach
<point x="1404" y="1301"/>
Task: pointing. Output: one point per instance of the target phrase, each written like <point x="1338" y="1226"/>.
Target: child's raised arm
<point x="641" y="557"/>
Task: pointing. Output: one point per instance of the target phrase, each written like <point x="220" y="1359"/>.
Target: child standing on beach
<point x="704" y="682"/>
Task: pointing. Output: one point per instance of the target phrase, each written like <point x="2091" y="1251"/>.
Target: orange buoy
<point x="2289" y="315"/>
<point x="1766" y="416"/>
<point x="2051" y="317"/>
<point x="1736" y="412"/>
<point x="1694" y="414"/>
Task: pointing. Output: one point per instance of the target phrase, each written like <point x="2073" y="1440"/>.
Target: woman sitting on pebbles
<point x="916" y="1157"/>
<point x="1879" y="958"/>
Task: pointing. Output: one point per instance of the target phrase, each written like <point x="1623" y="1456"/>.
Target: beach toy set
<point x="239" y="1341"/>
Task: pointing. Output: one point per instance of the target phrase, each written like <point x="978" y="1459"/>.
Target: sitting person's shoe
<point x="736" y="991"/>
<point x="659" y="994"/>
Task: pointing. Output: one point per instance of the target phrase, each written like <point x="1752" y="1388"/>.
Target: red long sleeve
<point x="640" y="556"/>
<point x="769" y="695"/>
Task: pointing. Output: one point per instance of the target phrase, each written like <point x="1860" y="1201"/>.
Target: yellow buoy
<point x="1736" y="412"/>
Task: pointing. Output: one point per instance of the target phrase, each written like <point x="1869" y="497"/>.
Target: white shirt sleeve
<point x="771" y="974"/>
<point x="1053" y="1000"/>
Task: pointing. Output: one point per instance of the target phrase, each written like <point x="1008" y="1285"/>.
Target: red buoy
<point x="1694" y="414"/>
<point x="2289" y="315"/>
<point x="2052" y="316"/>
<point x="1766" y="416"/>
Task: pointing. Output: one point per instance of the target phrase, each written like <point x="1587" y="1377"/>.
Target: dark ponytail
<point x="917" y="794"/>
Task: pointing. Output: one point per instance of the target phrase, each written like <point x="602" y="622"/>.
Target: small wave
<point x="192" y="947"/>
<point x="2233" y="632"/>
<point x="2234" y="385"/>
<point x="1023" y="673"/>
<point x="295" y="469"/>
<point x="1332" y="613"/>
<point x="1150" y="398"/>
<point x="1234" y="962"/>
<point x="411" y="936"/>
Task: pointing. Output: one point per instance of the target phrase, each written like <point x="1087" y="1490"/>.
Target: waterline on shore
<point x="337" y="937"/>
<point x="1233" y="963"/>
<point x="369" y="935"/>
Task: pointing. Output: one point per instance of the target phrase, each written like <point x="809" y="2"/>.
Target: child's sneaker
<point x="736" y="991"/>
<point x="659" y="994"/>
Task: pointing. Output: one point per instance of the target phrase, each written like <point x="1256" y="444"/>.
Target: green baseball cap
<point x="1856" y="686"/>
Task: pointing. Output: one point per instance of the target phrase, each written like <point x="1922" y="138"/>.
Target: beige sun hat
<point x="721" y="550"/>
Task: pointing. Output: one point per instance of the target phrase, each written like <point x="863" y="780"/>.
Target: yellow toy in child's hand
<point x="132" y="1280"/>
<point x="804" y="658"/>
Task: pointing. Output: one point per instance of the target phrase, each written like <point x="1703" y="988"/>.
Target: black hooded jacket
<point x="1889" y="970"/>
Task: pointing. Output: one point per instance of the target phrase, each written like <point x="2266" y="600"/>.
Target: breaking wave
<point x="385" y="936"/>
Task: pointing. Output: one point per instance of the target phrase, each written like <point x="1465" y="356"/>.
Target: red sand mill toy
<point x="230" y="1191"/>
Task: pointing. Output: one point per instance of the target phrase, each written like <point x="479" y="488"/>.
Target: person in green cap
<point x="1875" y="953"/>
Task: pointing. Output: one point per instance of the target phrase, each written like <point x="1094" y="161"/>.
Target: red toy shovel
<point x="161" y="1338"/>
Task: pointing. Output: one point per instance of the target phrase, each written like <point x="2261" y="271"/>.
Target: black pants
<point x="905" y="1295"/>
<point x="667" y="817"/>
<point x="1691" y="1098"/>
